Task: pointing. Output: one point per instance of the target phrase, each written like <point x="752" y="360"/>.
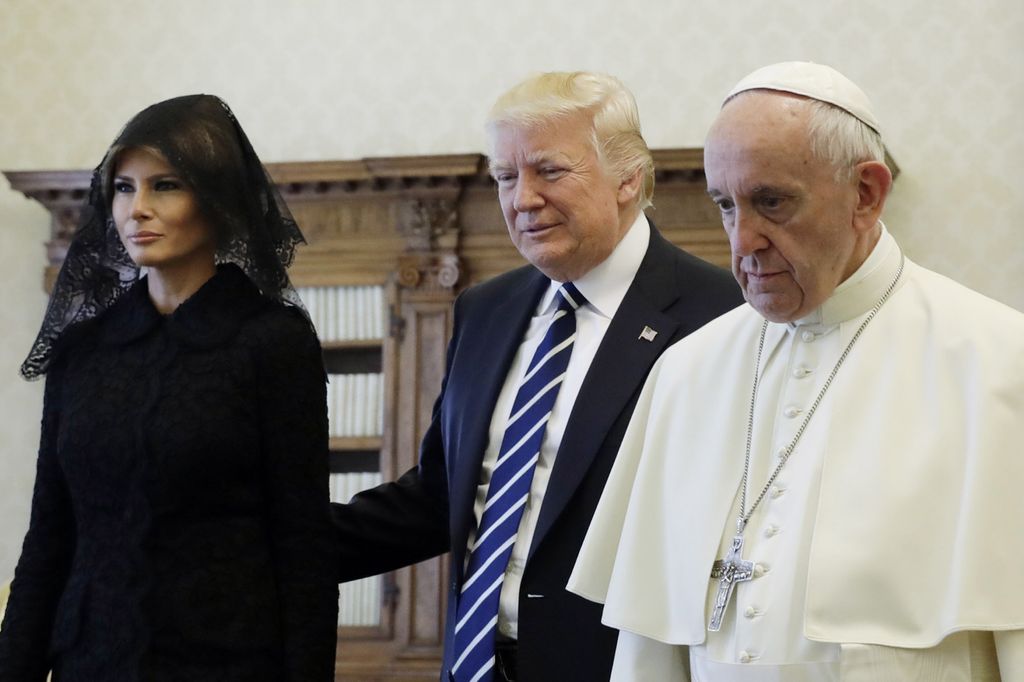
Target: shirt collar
<point x="606" y="285"/>
<point x="861" y="290"/>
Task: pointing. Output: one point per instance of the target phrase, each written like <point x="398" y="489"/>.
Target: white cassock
<point x="890" y="547"/>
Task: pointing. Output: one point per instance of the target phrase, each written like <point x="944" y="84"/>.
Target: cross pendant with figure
<point x="728" y="571"/>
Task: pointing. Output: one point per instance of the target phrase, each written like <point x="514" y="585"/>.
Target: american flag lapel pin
<point x="647" y="334"/>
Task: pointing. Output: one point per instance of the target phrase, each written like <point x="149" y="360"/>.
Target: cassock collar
<point x="861" y="290"/>
<point x="606" y="285"/>
<point x="208" y="318"/>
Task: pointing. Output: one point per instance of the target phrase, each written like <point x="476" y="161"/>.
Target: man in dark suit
<point x="573" y="175"/>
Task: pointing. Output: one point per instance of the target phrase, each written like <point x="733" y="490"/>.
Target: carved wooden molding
<point x="432" y="222"/>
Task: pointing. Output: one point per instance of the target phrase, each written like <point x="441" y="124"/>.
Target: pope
<point x="823" y="484"/>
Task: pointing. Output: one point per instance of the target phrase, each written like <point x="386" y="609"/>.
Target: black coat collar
<point x="210" y="317"/>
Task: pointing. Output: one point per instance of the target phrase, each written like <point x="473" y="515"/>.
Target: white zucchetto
<point x="815" y="81"/>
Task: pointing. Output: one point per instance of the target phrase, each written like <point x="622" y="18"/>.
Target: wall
<point x="337" y="79"/>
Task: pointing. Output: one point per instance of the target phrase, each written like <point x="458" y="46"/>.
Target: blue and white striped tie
<point x="477" y="611"/>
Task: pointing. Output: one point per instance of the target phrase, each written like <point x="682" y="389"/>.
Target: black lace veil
<point x="200" y="137"/>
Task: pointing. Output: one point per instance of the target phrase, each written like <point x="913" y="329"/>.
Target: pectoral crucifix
<point x="729" y="571"/>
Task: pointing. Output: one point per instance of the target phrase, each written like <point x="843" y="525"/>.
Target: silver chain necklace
<point x="733" y="568"/>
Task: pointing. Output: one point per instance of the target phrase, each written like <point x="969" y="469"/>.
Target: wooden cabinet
<point x="423" y="228"/>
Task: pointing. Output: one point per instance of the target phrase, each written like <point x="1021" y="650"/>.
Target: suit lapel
<point x="618" y="370"/>
<point x="494" y="342"/>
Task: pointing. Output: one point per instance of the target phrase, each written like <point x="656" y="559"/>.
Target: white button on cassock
<point x="807" y="335"/>
<point x="792" y="411"/>
<point x="745" y="657"/>
<point x="750" y="612"/>
<point x="771" y="531"/>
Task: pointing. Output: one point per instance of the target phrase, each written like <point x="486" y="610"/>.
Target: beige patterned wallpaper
<point x="335" y="79"/>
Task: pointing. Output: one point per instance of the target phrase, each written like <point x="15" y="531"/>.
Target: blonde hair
<point x="616" y="135"/>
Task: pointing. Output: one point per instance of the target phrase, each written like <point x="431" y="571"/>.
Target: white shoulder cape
<point x="920" y="524"/>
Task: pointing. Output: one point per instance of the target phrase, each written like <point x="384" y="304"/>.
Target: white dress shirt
<point x="604" y="287"/>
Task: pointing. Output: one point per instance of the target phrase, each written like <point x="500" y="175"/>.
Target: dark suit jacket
<point x="431" y="507"/>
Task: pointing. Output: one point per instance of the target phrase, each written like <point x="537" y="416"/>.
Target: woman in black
<point x="180" y="524"/>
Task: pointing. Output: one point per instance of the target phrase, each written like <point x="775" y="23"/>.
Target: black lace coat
<point x="180" y="523"/>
